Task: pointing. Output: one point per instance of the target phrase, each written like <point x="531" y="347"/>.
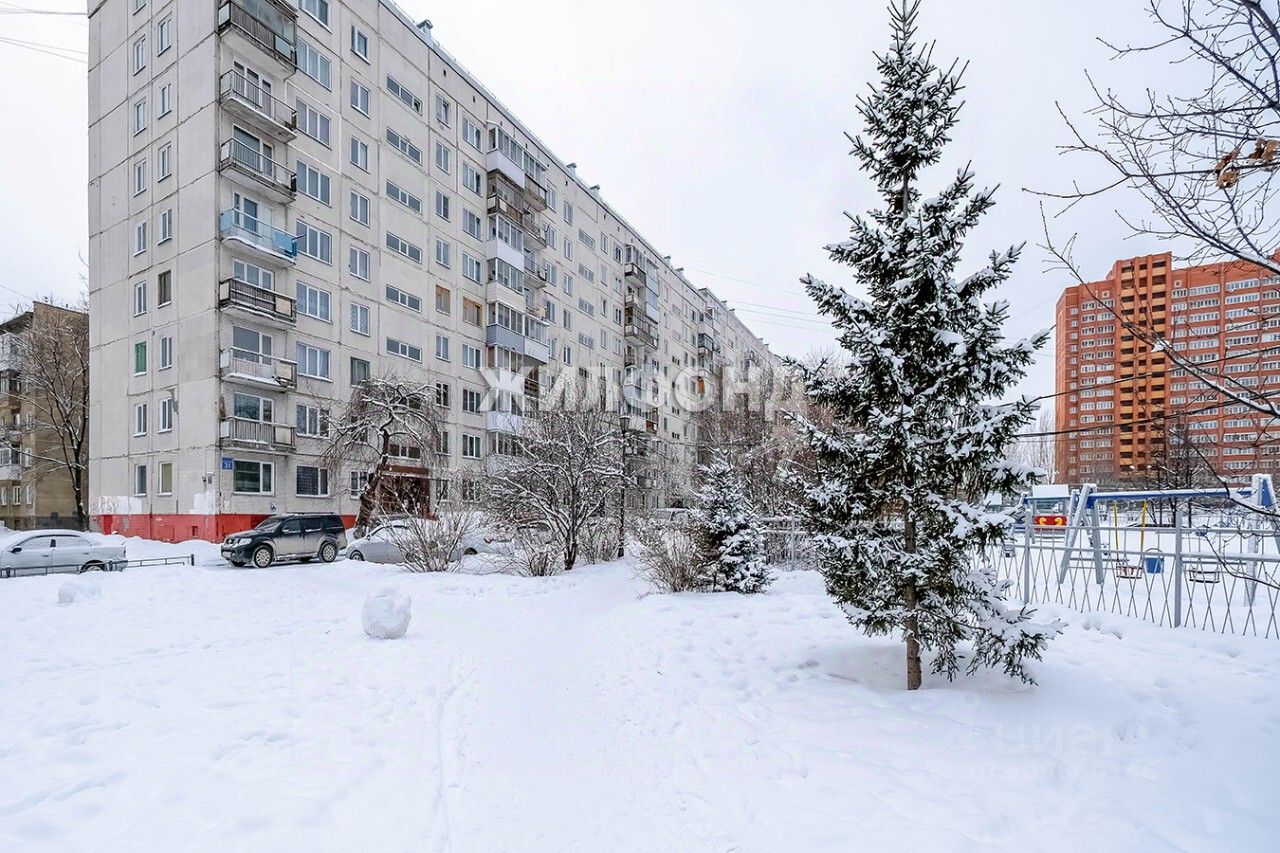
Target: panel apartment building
<point x="1130" y="416"/>
<point x="285" y="200"/>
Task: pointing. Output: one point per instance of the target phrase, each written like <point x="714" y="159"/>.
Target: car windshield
<point x="268" y="523"/>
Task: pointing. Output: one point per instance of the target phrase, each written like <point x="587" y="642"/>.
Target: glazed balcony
<point x="264" y="242"/>
<point x="243" y="296"/>
<point x="265" y="25"/>
<point x="256" y="171"/>
<point x="250" y="101"/>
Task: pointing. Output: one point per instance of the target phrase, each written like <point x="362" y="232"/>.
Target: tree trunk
<point x="913" y="643"/>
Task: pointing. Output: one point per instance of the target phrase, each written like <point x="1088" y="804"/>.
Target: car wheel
<point x="239" y="564"/>
<point x="91" y="566"/>
<point x="328" y="552"/>
<point x="355" y="555"/>
<point x="263" y="556"/>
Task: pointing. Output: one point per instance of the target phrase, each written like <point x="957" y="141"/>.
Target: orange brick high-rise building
<point x="1126" y="414"/>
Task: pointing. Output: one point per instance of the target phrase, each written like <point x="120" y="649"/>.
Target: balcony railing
<point x="277" y="40"/>
<point x="237" y="225"/>
<point x="241" y="294"/>
<point x="249" y="161"/>
<point x="257" y="434"/>
<point x="257" y="367"/>
<point x="236" y="88"/>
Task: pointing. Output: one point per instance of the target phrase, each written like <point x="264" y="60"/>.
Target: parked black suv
<point x="301" y="536"/>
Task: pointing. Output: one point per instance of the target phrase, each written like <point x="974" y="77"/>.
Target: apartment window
<point x="166" y="415"/>
<point x="164" y="161"/>
<point x="471" y="133"/>
<point x="359" y="318"/>
<point x="568" y="249"/>
<point x="164" y="288"/>
<point x="359" y="370"/>
<point x="442" y="347"/>
<point x="568" y="213"/>
<point x="442" y="394"/>
<point x="404" y="146"/>
<point x="139" y="115"/>
<point x="139" y="482"/>
<point x="404" y="350"/>
<point x="359" y="482"/>
<point x="444" y="111"/>
<point x="408" y="300"/>
<point x="314" y="243"/>
<point x="313" y="182"/>
<point x="568" y="284"/>
<point x="360" y="208"/>
<point x="405" y="198"/>
<point x="471" y="312"/>
<point x="471" y="401"/>
<point x="139" y="54"/>
<point x="403" y="247"/>
<point x="471" y="179"/>
<point x="566" y="355"/>
<point x="139" y="298"/>
<point x="140" y="177"/>
<point x="358" y="262"/>
<point x="472" y="224"/>
<point x="166" y="226"/>
<point x="360" y="97"/>
<point x="314" y="64"/>
<point x="471" y="356"/>
<point x="312" y="481"/>
<point x="313" y="123"/>
<point x="165" y="484"/>
<point x="359" y="153"/>
<point x="444" y="300"/>
<point x="444" y="161"/>
<point x="166" y="352"/>
<point x="442" y="205"/>
<point x="140" y="238"/>
<point x="312" y="421"/>
<point x="139" y="5"/>
<point x="359" y="43"/>
<point x="139" y="358"/>
<point x="313" y="302"/>
<point x="252" y="478"/>
<point x="444" y="253"/>
<point x="471" y="445"/>
<point x="164" y="35"/>
<point x="409" y="99"/>
<point x="472" y="268"/>
<point x="166" y="100"/>
<point x="442" y="442"/>
<point x="140" y="419"/>
<point x="313" y="361"/>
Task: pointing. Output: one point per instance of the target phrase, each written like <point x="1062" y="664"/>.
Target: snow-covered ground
<point x="210" y="708"/>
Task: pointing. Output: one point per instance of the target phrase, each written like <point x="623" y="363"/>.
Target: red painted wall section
<point x="179" y="528"/>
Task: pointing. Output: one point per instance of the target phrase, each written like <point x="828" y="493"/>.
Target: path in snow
<point x="204" y="708"/>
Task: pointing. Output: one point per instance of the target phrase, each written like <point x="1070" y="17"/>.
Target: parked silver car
<point x="38" y="552"/>
<point x="380" y="544"/>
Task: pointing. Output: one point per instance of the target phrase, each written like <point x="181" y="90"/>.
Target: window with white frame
<point x="313" y="301"/>
<point x="313" y="361"/>
<point x="164" y="161"/>
<point x="471" y="356"/>
<point x="442" y="347"/>
<point x="166" y="415"/>
<point x="139" y="358"/>
<point x="139" y="481"/>
<point x="404" y="146"/>
<point x="166" y="100"/>
<point x="164" y="479"/>
<point x="140" y="419"/>
<point x="472" y="268"/>
<point x="139" y="61"/>
<point x="471" y="446"/>
<point x="313" y="122"/>
<point x="314" y="243"/>
<point x="358" y="262"/>
<point x="359" y="153"/>
<point x="471" y="401"/>
<point x="404" y="197"/>
<point x="140" y="177"/>
<point x="401" y="246"/>
<point x="166" y="352"/>
<point x="139" y="298"/>
<point x="314" y="64"/>
<point x="406" y="96"/>
<point x="444" y="110"/>
<point x="444" y="158"/>
<point x="140" y="238"/>
<point x="359" y="43"/>
<point x="408" y="300"/>
<point x="360" y="208"/>
<point x="250" y="477"/>
<point x="471" y="178"/>
<point x="164" y="288"/>
<point x="164" y="34"/>
<point x="444" y="253"/>
<point x="359" y="318"/>
<point x="312" y="481"/>
<point x="360" y="97"/>
<point x="472" y="224"/>
<point x="471" y="133"/>
<point x="166" y="226"/>
<point x="404" y="350"/>
<point x="442" y="205"/>
<point x="313" y="182"/>
<point x="312" y="421"/>
<point x="139" y="115"/>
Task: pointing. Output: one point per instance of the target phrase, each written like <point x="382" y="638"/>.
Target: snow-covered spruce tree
<point x="727" y="530"/>
<point x="914" y="444"/>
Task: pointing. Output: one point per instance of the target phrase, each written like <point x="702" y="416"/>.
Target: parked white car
<point x="379" y="545"/>
<point x="38" y="552"/>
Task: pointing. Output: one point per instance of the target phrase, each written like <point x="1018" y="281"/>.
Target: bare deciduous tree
<point x="386" y="420"/>
<point x="53" y="353"/>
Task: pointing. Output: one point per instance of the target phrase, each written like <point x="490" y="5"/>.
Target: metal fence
<point x="109" y="566"/>
<point x="785" y="541"/>
<point x="1224" y="580"/>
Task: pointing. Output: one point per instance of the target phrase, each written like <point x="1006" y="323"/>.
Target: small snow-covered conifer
<point x="727" y="530"/>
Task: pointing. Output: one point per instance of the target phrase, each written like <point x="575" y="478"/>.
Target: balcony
<point x="249" y="100"/>
<point x="257" y="368"/>
<point x="706" y="344"/>
<point x="276" y="247"/>
<point x="500" y="249"/>
<point x="503" y="422"/>
<point x="532" y="195"/>
<point x="640" y="334"/>
<point x="256" y="435"/>
<point x="251" y="168"/>
<point x="266" y="25"/>
<point x="639" y="423"/>
<point x="537" y="351"/>
<point x="635" y="274"/>
<point x="10" y="472"/>
<point x="233" y="293"/>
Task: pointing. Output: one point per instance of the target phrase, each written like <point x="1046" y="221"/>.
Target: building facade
<point x="1127" y="415"/>
<point x="36" y="487"/>
<point x="285" y="200"/>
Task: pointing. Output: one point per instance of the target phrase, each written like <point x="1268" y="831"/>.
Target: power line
<point x="48" y="50"/>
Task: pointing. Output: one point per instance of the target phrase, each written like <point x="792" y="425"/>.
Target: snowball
<point x="386" y="614"/>
<point x="79" y="589"/>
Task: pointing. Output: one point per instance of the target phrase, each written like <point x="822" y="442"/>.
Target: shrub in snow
<point x="914" y="446"/>
<point x="668" y="556"/>
<point x="78" y="589"/>
<point x="386" y="614"/>
<point x="435" y="544"/>
<point x="727" y="530"/>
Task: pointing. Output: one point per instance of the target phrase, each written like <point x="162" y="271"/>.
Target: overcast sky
<point x="714" y="127"/>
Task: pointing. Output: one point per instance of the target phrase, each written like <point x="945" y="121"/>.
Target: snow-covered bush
<point x="668" y="556"/>
<point x="726" y="528"/>
<point x="386" y="614"/>
<point x="531" y="555"/>
<point x="79" y="589"/>
<point x="599" y="540"/>
<point x="435" y="544"/>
